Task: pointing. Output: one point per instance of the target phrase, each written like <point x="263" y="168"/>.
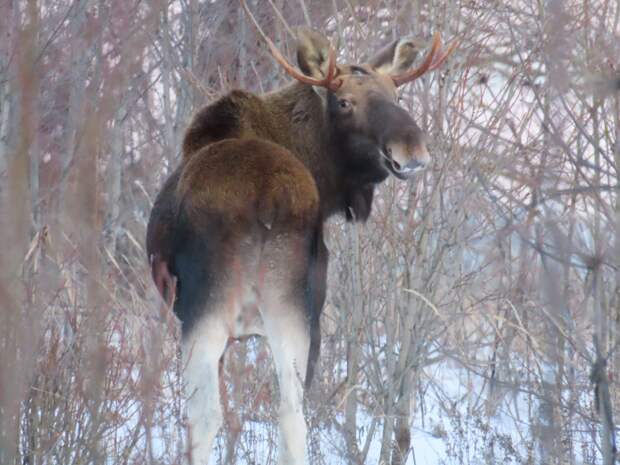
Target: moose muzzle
<point x="406" y="160"/>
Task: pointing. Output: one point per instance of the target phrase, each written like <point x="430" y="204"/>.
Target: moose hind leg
<point x="289" y="339"/>
<point x="202" y="350"/>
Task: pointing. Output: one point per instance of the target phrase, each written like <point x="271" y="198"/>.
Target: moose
<point x="235" y="236"/>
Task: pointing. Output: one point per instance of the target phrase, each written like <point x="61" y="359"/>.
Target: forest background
<point x="473" y="320"/>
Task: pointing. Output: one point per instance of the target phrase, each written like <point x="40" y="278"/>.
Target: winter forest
<point x="473" y="319"/>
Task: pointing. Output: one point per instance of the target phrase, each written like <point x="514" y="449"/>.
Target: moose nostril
<point x="395" y="164"/>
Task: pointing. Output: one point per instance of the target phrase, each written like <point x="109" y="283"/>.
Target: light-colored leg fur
<point x="289" y="341"/>
<point x="202" y="350"/>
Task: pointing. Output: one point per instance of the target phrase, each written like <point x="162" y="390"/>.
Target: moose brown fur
<point x="235" y="235"/>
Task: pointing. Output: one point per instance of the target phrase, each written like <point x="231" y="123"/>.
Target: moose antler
<point x="328" y="81"/>
<point x="432" y="61"/>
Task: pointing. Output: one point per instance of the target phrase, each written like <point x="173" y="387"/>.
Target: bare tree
<point x="474" y="319"/>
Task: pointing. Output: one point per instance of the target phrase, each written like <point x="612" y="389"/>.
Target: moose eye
<point x="344" y="104"/>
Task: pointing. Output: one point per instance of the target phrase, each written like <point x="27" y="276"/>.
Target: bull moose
<point x="235" y="237"/>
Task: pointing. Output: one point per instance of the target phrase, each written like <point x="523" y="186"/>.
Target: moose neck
<point x="299" y="109"/>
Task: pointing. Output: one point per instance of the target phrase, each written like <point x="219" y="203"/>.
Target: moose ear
<point x="397" y="57"/>
<point x="312" y="52"/>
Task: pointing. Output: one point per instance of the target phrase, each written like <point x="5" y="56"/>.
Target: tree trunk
<point x="355" y="307"/>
